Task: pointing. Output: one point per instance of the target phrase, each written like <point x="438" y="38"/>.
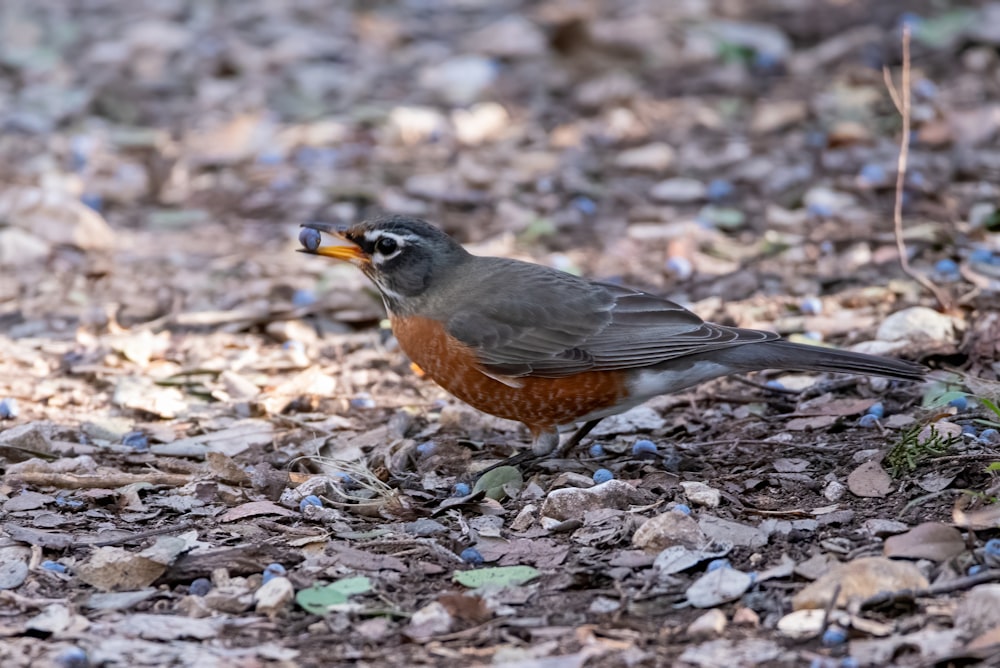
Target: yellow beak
<point x="347" y="253"/>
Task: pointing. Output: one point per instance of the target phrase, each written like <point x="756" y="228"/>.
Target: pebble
<point x="461" y="80"/>
<point x="717" y="587"/>
<point x="679" y="191"/>
<point x="574" y="502"/>
<point x="667" y="529"/>
<point x="860" y="579"/>
<point x="274" y="596"/>
<point x="917" y="324"/>
<point x="481" y="123"/>
<point x="709" y="625"/>
<point x="513" y="36"/>
<point x="656" y="157"/>
<point x="802" y="623"/>
<point x="979" y="609"/>
<point x="701" y="494"/>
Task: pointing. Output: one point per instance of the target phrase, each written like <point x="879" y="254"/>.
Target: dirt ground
<point x="214" y="453"/>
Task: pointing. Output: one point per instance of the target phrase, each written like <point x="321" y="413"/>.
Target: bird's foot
<point x="545" y="444"/>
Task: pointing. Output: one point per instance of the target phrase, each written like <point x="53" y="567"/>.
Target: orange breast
<point x="540" y="403"/>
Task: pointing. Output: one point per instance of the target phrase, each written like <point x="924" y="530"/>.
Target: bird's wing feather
<point x="578" y="326"/>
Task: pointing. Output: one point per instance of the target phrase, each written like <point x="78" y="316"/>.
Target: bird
<point x="547" y="348"/>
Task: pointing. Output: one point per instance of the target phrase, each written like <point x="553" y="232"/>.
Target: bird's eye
<point x="386" y="246"/>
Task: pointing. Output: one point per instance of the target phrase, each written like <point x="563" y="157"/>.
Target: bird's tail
<point x="780" y="354"/>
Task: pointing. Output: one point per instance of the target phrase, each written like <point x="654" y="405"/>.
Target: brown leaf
<point x="254" y="508"/>
<point x="930" y="540"/>
<point x="869" y="480"/>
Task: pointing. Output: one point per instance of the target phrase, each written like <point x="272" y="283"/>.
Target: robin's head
<point x="401" y="255"/>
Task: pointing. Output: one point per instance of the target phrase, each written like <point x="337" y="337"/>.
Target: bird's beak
<point x="348" y="252"/>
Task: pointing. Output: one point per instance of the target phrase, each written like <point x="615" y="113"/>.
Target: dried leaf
<point x="930" y="540"/>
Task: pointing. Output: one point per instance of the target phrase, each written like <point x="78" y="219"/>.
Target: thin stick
<point x="902" y="102"/>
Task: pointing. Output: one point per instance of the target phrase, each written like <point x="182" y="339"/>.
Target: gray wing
<point x="550" y="324"/>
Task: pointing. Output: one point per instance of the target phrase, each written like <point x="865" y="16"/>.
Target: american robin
<point x="546" y="348"/>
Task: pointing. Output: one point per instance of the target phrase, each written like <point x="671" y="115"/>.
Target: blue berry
<point x="311" y="500"/>
<point x="765" y="61"/>
<point x="67" y="502"/>
<point x="137" y="440"/>
<point x="970" y="429"/>
<point x="716" y="564"/>
<point x="363" y="401"/>
<point x="992" y="548"/>
<point x="426" y="448"/>
<point x="774" y="385"/>
<point x="310" y="238"/>
<point x="876" y="409"/>
<point x="93" y="201"/>
<point x="8" y="408"/>
<point x="303" y="297"/>
<point x="682" y="508"/>
<point x="471" y="555"/>
<point x="596" y="450"/>
<point x="849" y="662"/>
<point x="719" y="189"/>
<point x="946" y="266"/>
<point x="960" y="403"/>
<point x="834" y="636"/>
<point x="273" y="571"/>
<point x="200" y="587"/>
<point x="584" y="205"/>
<point x="643" y="447"/>
<point x="53" y="566"/>
<point x="461" y="489"/>
<point x="72" y="657"/>
<point x="680" y="267"/>
<point x="816" y="139"/>
<point x="975" y="569"/>
<point x="990" y="436"/>
<point x="925" y="88"/>
<point x="868" y="421"/>
<point x="603" y="475"/>
<point x="872" y="174"/>
<point x="820" y="210"/>
<point x="270" y="157"/>
<point x="811" y="306"/>
<point x="983" y="256"/>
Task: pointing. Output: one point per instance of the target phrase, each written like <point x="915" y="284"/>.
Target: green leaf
<point x="500" y="576"/>
<point x="944" y="29"/>
<point x="499" y="482"/>
<point x="939" y="394"/>
<point x="318" y="599"/>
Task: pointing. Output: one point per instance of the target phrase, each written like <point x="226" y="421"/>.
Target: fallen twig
<point x="108" y="480"/>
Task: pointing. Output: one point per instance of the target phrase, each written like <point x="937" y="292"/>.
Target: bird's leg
<point x="577" y="436"/>
<point x="545" y="443"/>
